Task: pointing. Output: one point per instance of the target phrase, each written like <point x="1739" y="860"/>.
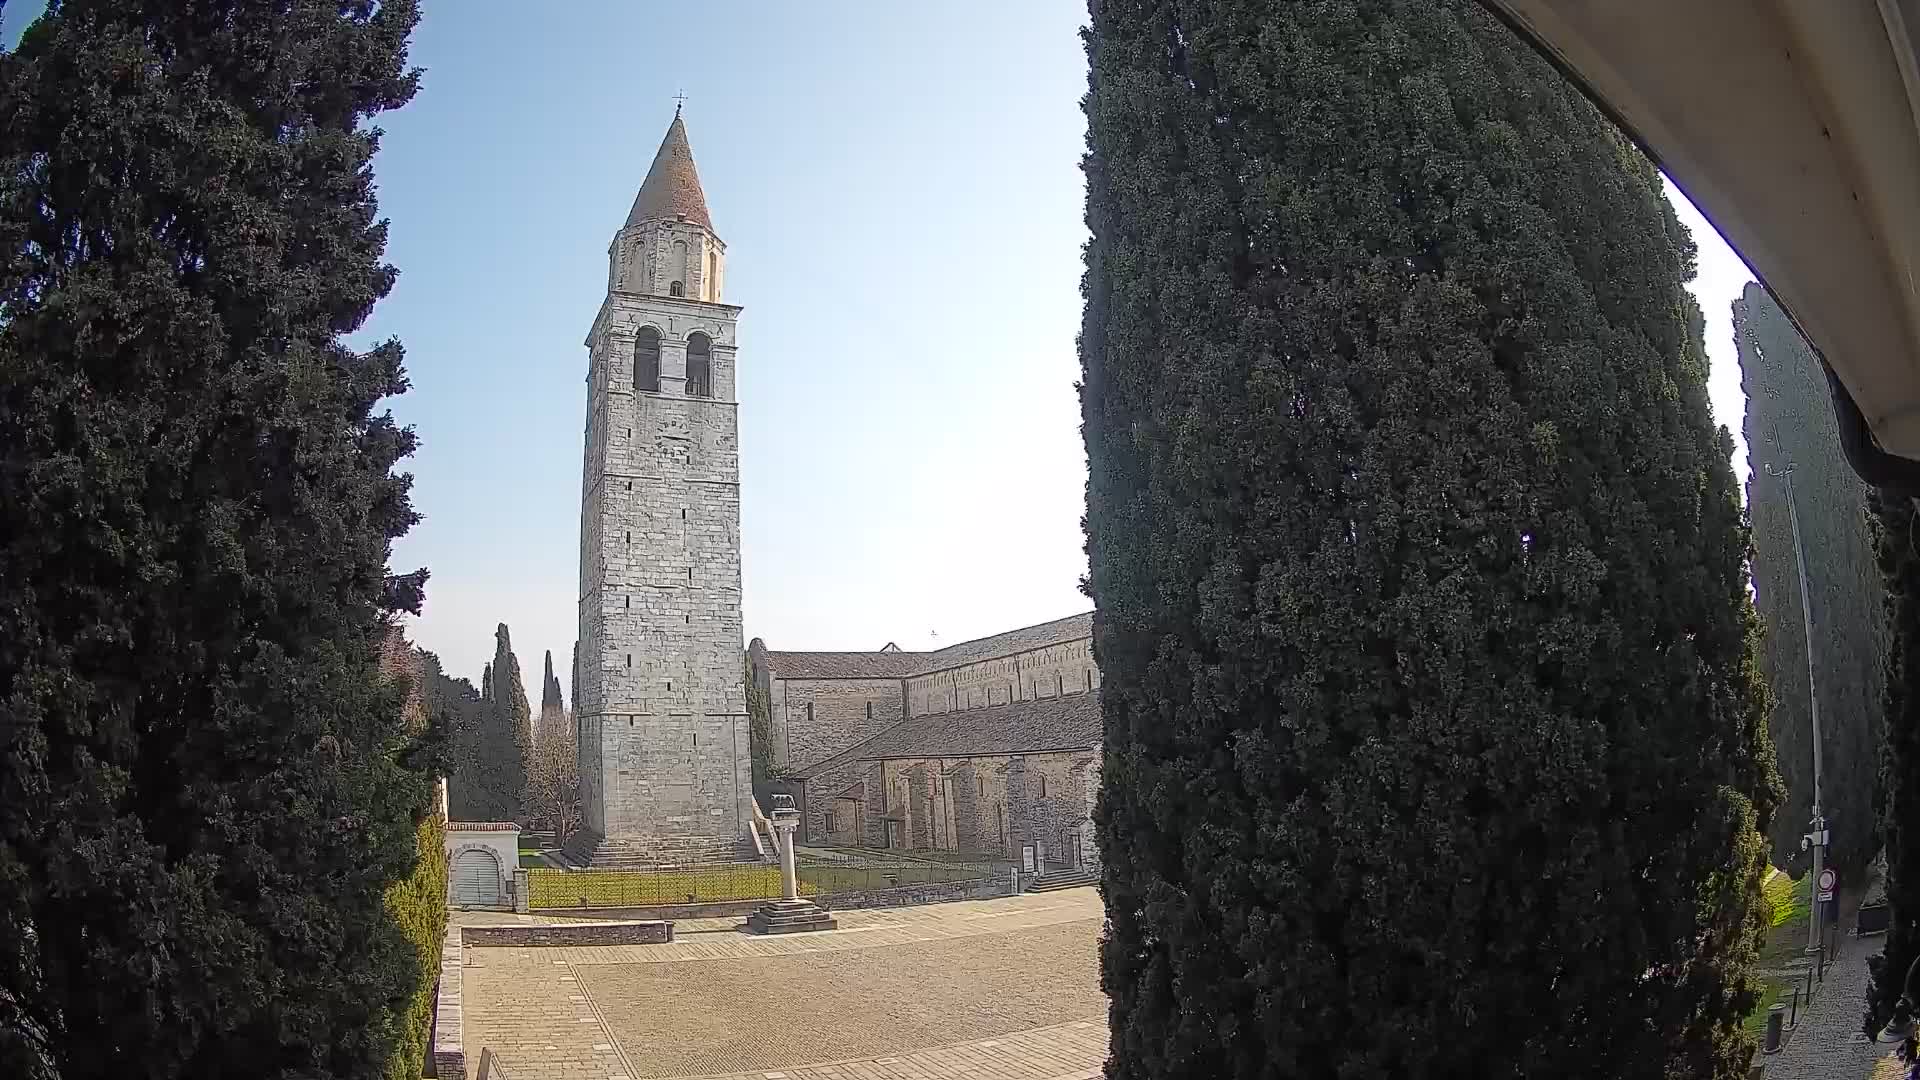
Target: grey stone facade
<point x="944" y="750"/>
<point x="660" y="706"/>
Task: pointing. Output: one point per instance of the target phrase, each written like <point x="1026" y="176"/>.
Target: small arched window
<point x="677" y="289"/>
<point x="699" y="366"/>
<point x="1043" y="787"/>
<point x="713" y="276"/>
<point x="646" y="360"/>
<point x="679" y="267"/>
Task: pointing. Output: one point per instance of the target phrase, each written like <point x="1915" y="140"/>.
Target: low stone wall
<point x="449" y="1047"/>
<point x="719" y="909"/>
<point x="933" y="892"/>
<point x="648" y="932"/>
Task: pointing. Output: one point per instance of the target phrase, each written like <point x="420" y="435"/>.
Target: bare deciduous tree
<point x="553" y="786"/>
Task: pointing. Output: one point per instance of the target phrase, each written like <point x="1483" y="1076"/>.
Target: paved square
<point x="1002" y="989"/>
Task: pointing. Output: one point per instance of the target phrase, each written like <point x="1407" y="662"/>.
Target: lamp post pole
<point x="1816" y="840"/>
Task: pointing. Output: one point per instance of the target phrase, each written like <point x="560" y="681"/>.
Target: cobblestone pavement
<point x="1003" y="989"/>
<point x="1827" y="1044"/>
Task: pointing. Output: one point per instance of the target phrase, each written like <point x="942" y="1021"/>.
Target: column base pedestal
<point x="790" y="917"/>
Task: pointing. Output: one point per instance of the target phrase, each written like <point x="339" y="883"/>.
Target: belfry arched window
<point x="678" y="283"/>
<point x="646" y="360"/>
<point x="699" y="366"/>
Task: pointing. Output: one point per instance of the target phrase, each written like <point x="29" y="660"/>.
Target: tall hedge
<point x="206" y="786"/>
<point x="1897" y="543"/>
<point x="1435" y="741"/>
<point x="1789" y="420"/>
<point x="417" y="904"/>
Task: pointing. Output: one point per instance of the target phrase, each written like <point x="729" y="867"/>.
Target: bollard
<point x="1793" y="1019"/>
<point x="1776" y="1014"/>
<point x="1820" y="964"/>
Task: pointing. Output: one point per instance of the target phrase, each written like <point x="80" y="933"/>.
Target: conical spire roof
<point x="672" y="187"/>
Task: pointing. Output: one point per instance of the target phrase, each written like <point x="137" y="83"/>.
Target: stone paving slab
<point x="1002" y="989"/>
<point x="772" y="1013"/>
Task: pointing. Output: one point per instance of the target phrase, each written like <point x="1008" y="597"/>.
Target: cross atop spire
<point x="679" y="99"/>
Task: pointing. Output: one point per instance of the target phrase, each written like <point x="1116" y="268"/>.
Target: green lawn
<point x="1786" y="941"/>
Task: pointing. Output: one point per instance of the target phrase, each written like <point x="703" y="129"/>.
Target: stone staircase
<point x="790" y="917"/>
<point x="1054" y="880"/>
<point x="594" y="852"/>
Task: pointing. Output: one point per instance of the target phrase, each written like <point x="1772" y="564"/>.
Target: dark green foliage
<point x="418" y="903"/>
<point x="507" y="740"/>
<point x="1897" y="541"/>
<point x="492" y="741"/>
<point x="1790" y="419"/>
<point x="759" y="734"/>
<point x="553" y="708"/>
<point x="418" y="906"/>
<point x="475" y="791"/>
<point x="206" y="787"/>
<point x="1435" y="740"/>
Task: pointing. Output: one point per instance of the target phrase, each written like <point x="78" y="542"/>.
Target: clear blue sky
<point x="899" y="190"/>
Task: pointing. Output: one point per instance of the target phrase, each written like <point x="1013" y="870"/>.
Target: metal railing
<point x="722" y="882"/>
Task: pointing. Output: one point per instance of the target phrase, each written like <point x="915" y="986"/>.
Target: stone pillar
<point x="521" y="888"/>
<point x="789" y="914"/>
<point x="785" y="820"/>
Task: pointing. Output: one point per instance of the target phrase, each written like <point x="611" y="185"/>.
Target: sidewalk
<point x="1827" y="1043"/>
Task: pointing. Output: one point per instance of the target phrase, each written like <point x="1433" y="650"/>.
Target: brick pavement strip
<point x="1072" y="1051"/>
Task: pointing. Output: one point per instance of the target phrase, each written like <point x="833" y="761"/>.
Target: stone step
<point x="592" y="851"/>
<point x="1053" y="880"/>
<point x="790" y="917"/>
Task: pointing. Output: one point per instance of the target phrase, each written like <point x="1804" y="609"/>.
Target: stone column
<point x="785" y="821"/>
<point x="789" y="914"/>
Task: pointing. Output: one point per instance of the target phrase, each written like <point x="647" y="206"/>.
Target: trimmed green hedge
<point x="419" y="906"/>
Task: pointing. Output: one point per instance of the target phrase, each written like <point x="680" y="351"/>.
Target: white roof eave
<point x="1791" y="124"/>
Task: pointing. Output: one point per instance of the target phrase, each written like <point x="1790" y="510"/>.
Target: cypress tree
<point x="553" y="709"/>
<point x="1434" y="740"/>
<point x="1789" y="420"/>
<point x="1897" y="543"/>
<point x="462" y="708"/>
<point x="508" y="739"/>
<point x="207" y="787"/>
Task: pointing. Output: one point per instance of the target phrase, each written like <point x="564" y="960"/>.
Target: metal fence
<point x="831" y="877"/>
<point x="721" y="882"/>
<point x="653" y="888"/>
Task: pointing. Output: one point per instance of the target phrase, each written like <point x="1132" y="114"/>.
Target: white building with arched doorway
<point x="481" y="859"/>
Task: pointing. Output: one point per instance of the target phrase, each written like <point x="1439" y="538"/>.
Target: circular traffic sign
<point x="1827" y="878"/>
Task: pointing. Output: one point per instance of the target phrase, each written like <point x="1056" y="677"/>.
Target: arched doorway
<point x="476" y="878"/>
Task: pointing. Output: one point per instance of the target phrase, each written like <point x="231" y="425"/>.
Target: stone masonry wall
<point x="820" y="790"/>
<point x="1065" y="668"/>
<point x="814" y="719"/>
<point x="661" y="705"/>
<point x="1051" y="815"/>
<point x="980" y="806"/>
<point x="645" y="932"/>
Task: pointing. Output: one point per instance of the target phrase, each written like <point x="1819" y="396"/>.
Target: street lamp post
<point x="1816" y="840"/>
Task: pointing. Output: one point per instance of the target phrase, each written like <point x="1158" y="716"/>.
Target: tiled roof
<point x="843" y="665"/>
<point x="1071" y="628"/>
<point x="855" y="790"/>
<point x="1071" y="722"/>
<point x="894" y="664"/>
<point x="672" y="187"/>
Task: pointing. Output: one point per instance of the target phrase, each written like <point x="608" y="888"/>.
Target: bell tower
<point x="661" y="703"/>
